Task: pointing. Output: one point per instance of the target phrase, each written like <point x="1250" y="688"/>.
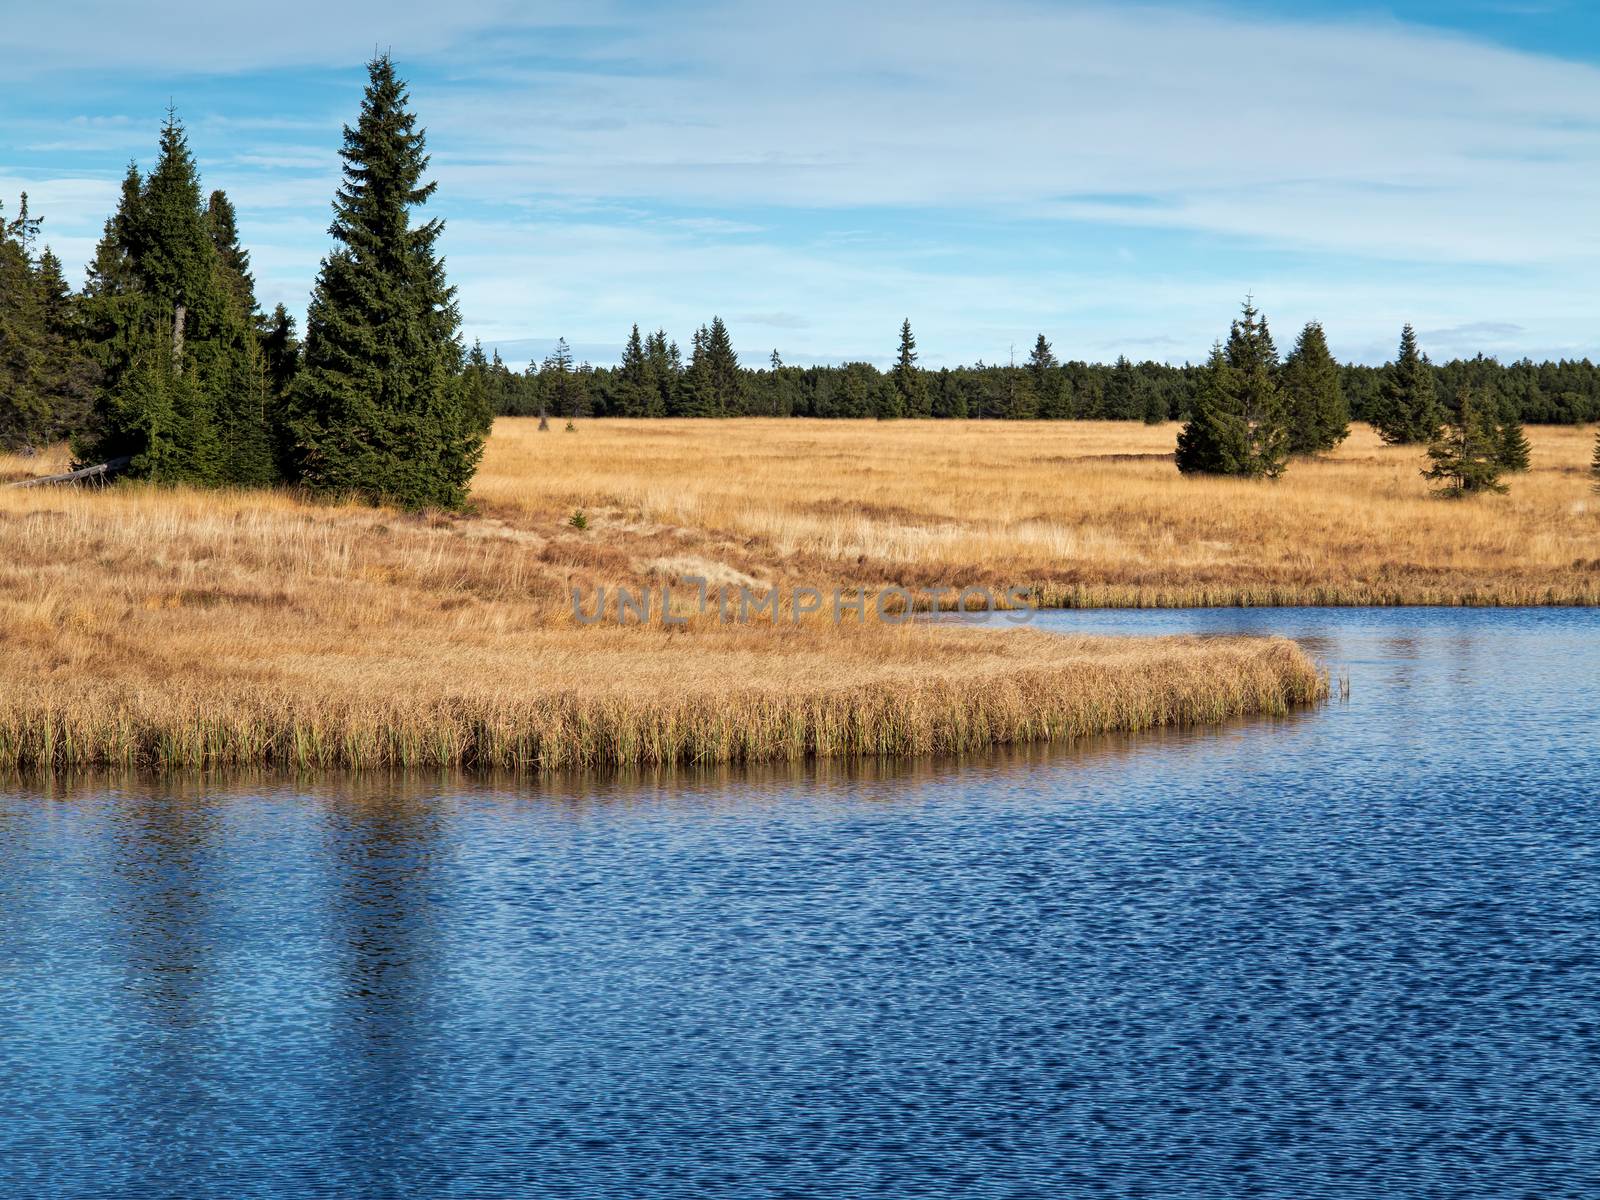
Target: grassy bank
<point x="627" y="703"/>
<point x="176" y="628"/>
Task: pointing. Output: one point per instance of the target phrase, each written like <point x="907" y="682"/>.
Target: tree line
<point x="655" y="378"/>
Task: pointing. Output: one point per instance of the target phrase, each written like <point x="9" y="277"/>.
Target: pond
<point x="1352" y="952"/>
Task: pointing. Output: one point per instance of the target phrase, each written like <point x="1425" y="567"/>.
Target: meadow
<point x="142" y="626"/>
<point x="152" y="627"/>
<point x="1089" y="514"/>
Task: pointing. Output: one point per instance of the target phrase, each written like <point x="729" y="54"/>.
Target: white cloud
<point x="1403" y="173"/>
<point x="191" y="37"/>
<point x="1382" y="140"/>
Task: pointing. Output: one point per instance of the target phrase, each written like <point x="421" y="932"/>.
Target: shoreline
<point x="1027" y="690"/>
<point x="1322" y="597"/>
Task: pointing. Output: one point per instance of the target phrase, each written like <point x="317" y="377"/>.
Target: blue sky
<point x="1117" y="176"/>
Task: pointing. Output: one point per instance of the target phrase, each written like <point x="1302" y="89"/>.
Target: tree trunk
<point x="178" y="315"/>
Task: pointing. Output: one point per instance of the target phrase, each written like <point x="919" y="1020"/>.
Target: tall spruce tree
<point x="377" y="408"/>
<point x="1317" y="413"/>
<point x="908" y="394"/>
<point x="1408" y="411"/>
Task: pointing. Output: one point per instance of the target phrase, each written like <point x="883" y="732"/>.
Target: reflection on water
<point x="1352" y="952"/>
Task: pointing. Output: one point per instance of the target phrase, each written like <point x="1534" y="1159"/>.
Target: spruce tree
<point x="1464" y="455"/>
<point x="377" y="408"/>
<point x="1214" y="441"/>
<point x="1258" y="402"/>
<point x="1316" y="411"/>
<point x="111" y="304"/>
<point x="70" y="372"/>
<point x="861" y="390"/>
<point x="908" y="393"/>
<point x="1236" y="421"/>
<point x="281" y="350"/>
<point x="234" y="259"/>
<point x="558" y="381"/>
<point x="1155" y="406"/>
<point x="1512" y="451"/>
<point x="583" y="390"/>
<point x="47" y="375"/>
<point x="1044" y="373"/>
<point x="695" y="392"/>
<point x="280" y="360"/>
<point x="25" y="410"/>
<point x="1594" y="463"/>
<point x="1122" y="399"/>
<point x="475" y="385"/>
<point x="636" y="389"/>
<point x="722" y="366"/>
<point x="1408" y="411"/>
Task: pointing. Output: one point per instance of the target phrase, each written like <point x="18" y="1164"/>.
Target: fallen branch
<point x="107" y="469"/>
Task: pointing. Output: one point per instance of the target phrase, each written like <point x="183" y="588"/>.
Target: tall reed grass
<point x="944" y="691"/>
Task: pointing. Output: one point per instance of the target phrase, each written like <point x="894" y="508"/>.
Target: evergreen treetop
<point x="1464" y="455"/>
<point x="1316" y="411"/>
<point x="1408" y="410"/>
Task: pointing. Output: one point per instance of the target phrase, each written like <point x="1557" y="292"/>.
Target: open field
<point x="1090" y="513"/>
<point x="153" y="627"/>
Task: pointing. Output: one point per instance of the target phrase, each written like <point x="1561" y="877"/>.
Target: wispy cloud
<point x="1116" y="175"/>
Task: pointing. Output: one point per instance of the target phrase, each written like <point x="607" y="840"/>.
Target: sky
<point x="1116" y="176"/>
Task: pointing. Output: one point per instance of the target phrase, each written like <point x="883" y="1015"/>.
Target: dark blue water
<point x="1353" y="953"/>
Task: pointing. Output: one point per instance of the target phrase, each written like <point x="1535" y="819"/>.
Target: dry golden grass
<point x="1091" y="513"/>
<point x="148" y="627"/>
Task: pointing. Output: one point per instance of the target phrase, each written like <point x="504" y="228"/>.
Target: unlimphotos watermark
<point x="741" y="604"/>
